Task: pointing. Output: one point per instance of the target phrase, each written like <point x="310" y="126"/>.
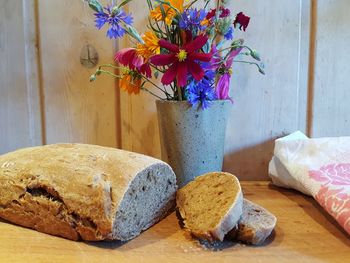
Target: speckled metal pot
<point x="192" y="139"/>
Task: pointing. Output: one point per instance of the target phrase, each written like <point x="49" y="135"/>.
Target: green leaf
<point x="95" y="5"/>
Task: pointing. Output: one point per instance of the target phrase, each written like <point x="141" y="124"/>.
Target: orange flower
<point x="150" y="47"/>
<point x="130" y="84"/>
<point x="170" y="13"/>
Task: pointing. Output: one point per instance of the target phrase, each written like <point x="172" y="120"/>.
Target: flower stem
<point x="261" y="70"/>
<point x="110" y="73"/>
<point x="179" y="93"/>
<point x="155" y="85"/>
<point x="150" y="92"/>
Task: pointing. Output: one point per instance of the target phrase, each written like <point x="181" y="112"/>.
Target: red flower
<point x="242" y="20"/>
<point x="182" y="60"/>
<point x="224" y="12"/>
<point x="130" y="58"/>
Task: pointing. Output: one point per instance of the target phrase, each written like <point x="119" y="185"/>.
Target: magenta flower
<point x="129" y="57"/>
<point x="223" y="85"/>
<point x="182" y="61"/>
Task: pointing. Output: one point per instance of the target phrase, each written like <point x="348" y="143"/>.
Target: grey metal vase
<point x="192" y="139"/>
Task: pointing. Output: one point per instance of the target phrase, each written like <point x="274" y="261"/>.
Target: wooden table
<point x="304" y="233"/>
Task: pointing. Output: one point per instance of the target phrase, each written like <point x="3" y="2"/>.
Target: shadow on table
<point x="218" y="245"/>
<point x="154" y="234"/>
<point x="317" y="213"/>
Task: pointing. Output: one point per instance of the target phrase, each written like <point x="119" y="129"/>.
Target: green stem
<point x="191" y="4"/>
<point x="155" y="85"/>
<point x="179" y="93"/>
<point x="251" y="63"/>
<point x="110" y="73"/>
<point x="172" y="7"/>
<point x="150" y="92"/>
<point x="150" y="6"/>
<point x="161" y="71"/>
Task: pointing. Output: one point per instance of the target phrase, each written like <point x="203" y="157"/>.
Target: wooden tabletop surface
<point x="304" y="233"/>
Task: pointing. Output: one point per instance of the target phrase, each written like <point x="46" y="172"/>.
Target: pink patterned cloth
<point x="316" y="167"/>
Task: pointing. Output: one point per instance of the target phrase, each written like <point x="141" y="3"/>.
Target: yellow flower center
<point x="182" y="55"/>
<point x="230" y="71"/>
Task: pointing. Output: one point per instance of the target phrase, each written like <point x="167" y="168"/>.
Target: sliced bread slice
<point x="255" y="225"/>
<point x="211" y="205"/>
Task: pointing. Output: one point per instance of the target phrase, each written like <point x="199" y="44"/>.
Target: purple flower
<point x="229" y="34"/>
<point x="202" y="91"/>
<point x="115" y="18"/>
<point x="223" y="87"/>
<point x="192" y="20"/>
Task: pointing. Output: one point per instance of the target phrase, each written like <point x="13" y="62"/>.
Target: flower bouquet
<point x="191" y="50"/>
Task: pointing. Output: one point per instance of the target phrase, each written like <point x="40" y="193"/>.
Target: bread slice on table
<point x="211" y="205"/>
<point x="87" y="192"/>
<point x="255" y="225"/>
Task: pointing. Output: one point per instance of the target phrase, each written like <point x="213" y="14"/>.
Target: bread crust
<point x="255" y="225"/>
<point x="69" y="190"/>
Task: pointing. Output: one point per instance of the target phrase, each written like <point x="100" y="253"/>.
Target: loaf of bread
<point x="211" y="205"/>
<point x="255" y="224"/>
<point x="87" y="192"/>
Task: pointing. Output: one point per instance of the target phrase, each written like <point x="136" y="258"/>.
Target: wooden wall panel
<point x="330" y="106"/>
<point x="75" y="110"/>
<point x="139" y="125"/>
<point x="265" y="107"/>
<point x="20" y="116"/>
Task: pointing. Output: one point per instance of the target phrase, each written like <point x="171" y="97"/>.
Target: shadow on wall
<point x="251" y="162"/>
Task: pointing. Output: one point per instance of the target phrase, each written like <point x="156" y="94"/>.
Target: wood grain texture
<point x="33" y="72"/>
<point x="19" y="115"/>
<point x="266" y="107"/>
<point x="139" y="124"/>
<point x="75" y="110"/>
<point x="304" y="233"/>
<point x="330" y="108"/>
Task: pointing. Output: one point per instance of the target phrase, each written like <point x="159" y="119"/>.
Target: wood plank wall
<point x="20" y="121"/>
<point x="46" y="96"/>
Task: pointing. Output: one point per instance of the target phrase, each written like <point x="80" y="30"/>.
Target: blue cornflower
<point x="114" y="17"/>
<point x="229" y="34"/>
<point x="192" y="19"/>
<point x="202" y="91"/>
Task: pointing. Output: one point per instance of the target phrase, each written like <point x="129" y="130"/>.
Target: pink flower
<point x="337" y="204"/>
<point x="333" y="174"/>
<point x="223" y="85"/>
<point x="130" y="58"/>
<point x="182" y="60"/>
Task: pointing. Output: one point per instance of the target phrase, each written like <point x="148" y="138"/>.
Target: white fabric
<point x="316" y="167"/>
